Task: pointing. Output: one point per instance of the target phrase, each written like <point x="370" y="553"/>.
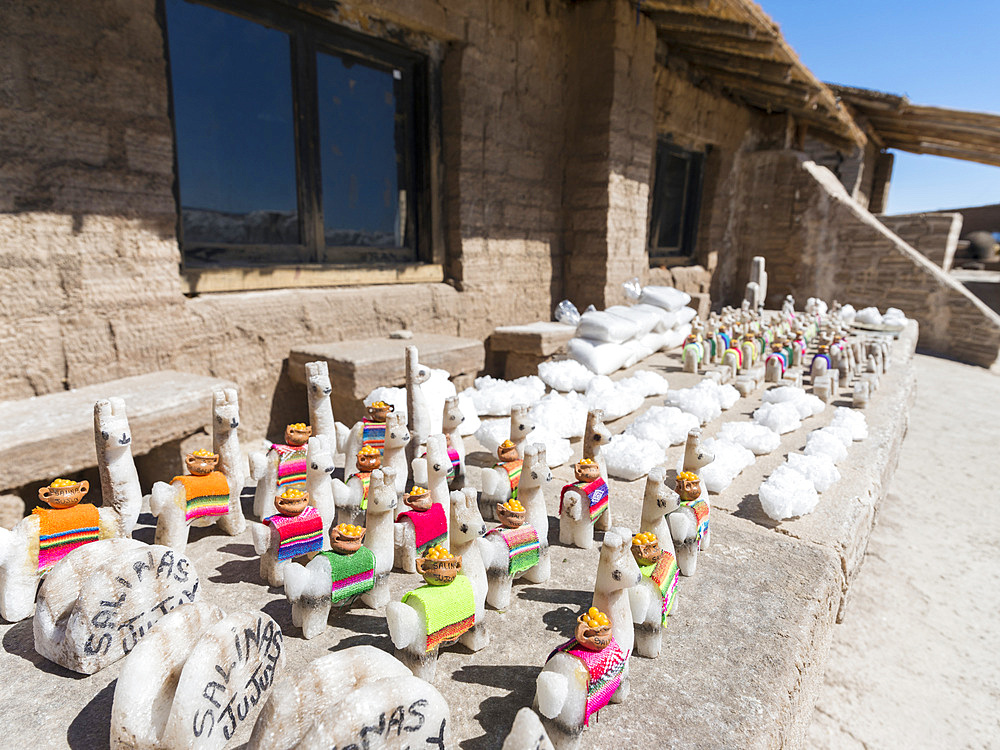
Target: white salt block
<point x="755" y="437"/>
<point x="100" y="600"/>
<point x="786" y="494"/>
<point x="615" y="398"/>
<point x="565" y="375"/>
<point x="853" y="420"/>
<point x="818" y="469"/>
<point x="781" y="418"/>
<point x="807" y="404"/>
<point x="527" y="733"/>
<point x="670" y="299"/>
<point x="703" y="400"/>
<point x="327" y="691"/>
<point x="730" y="460"/>
<point x="664" y="425"/>
<point x="821" y="442"/>
<point x="629" y="457"/>
<point x="144" y="692"/>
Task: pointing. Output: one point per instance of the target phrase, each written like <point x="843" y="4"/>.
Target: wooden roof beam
<point x="681" y="21"/>
<point x="732" y="62"/>
<point x="763" y="47"/>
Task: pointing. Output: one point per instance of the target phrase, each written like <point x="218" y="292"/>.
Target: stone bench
<point x="163" y="408"/>
<point x="516" y="351"/>
<point x="358" y="367"/>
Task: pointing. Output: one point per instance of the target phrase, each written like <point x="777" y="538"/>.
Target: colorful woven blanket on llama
<point x="513" y="469"/>
<point x="366" y="480"/>
<point x="291" y="464"/>
<point x="299" y="534"/>
<point x="604" y="672"/>
<point x="696" y="349"/>
<point x="350" y="575"/>
<point x="430" y="526"/>
<point x="664" y="574"/>
<point x="700" y="508"/>
<point x="62" y="530"/>
<point x="522" y="547"/>
<point x="450" y="610"/>
<point x="206" y="495"/>
<point x="780" y="357"/>
<point x="821" y="356"/>
<point x="726" y="340"/>
<point x="373" y="434"/>
<point x="596" y="492"/>
<point x="737" y="352"/>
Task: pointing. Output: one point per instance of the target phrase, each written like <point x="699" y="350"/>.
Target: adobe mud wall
<point x="818" y="241"/>
<point x="933" y="235"/>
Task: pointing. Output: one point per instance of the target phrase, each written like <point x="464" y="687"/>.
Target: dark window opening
<point x="295" y="140"/>
<point x="673" y="221"/>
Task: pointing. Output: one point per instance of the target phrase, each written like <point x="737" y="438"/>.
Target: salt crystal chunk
<point x="894" y="316"/>
<point x="807" y="404"/>
<point x="629" y="457"/>
<point x="842" y="433"/>
<point x="492" y="396"/>
<point x="664" y="425"/>
<point x="616" y="398"/>
<point x="703" y="400"/>
<point x="869" y="315"/>
<point x="825" y="443"/>
<point x="468" y="407"/>
<point x="786" y="494"/>
<point x="818" y="469"/>
<point x="437" y="388"/>
<point x="781" y="418"/>
<point x="648" y="383"/>
<point x="664" y="296"/>
<point x="565" y="375"/>
<point x="565" y="416"/>
<point x="755" y="437"/>
<point x="730" y="460"/>
<point x="853" y="420"/>
<point x="848" y="314"/>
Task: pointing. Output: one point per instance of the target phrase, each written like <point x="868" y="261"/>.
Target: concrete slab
<point x="161" y="406"/>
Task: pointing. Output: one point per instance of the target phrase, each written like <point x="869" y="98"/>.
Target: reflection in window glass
<point x="233" y="117"/>
<point x="363" y="204"/>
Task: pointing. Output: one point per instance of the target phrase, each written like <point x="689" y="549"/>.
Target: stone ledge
<point x="161" y="407"/>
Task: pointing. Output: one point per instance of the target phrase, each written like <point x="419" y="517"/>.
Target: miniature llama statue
<point x="451" y="421"/>
<point x="266" y="536"/>
<point x="187" y="502"/>
<point x="408" y="546"/>
<point x="512" y="553"/>
<point x="500" y="482"/>
<point x="655" y="598"/>
<point x="561" y="694"/>
<point x="581" y="505"/>
<point x="395" y="440"/>
<point x="308" y="588"/>
<point x="407" y="621"/>
<point x="418" y="414"/>
<point x="689" y="523"/>
<point x="318" y="390"/>
<point x="22" y="562"/>
<point x="521" y="425"/>
<point x="596" y="435"/>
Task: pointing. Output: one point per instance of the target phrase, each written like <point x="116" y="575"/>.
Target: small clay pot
<point x="291" y="506"/>
<point x="64" y="497"/>
<point x="510" y="519"/>
<point x="421" y="501"/>
<point x="688" y="489"/>
<point x="439" y="572"/>
<point x="380" y="413"/>
<point x="506" y="455"/>
<point x="369" y="462"/>
<point x="296" y="436"/>
<point x="586" y="472"/>
<point x="201" y="465"/>
<point x="592" y="639"/>
<point x="646" y="554"/>
<point x="345" y="544"/>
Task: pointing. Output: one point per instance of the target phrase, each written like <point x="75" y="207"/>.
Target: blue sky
<point x="941" y="54"/>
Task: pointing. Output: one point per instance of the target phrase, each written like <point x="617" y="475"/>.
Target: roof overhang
<point x="972" y="136"/>
<point x="734" y="44"/>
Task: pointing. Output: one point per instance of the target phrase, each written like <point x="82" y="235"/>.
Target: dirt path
<point x="916" y="663"/>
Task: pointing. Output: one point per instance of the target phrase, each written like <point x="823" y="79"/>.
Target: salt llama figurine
<point x="581" y="503"/>
<point x="385" y="430"/>
<point x="655" y="597"/>
<point x="423" y="526"/>
<point x="296" y="529"/>
<point x="329" y="580"/>
<point x="38" y="542"/>
<point x="434" y="615"/>
<point x="352" y="496"/>
<point x="520" y="546"/>
<point x="408" y="623"/>
<point x="689" y="523"/>
<point x="595" y="436"/>
<point x="501" y="483"/>
<point x="583" y="675"/>
<point x="282" y="466"/>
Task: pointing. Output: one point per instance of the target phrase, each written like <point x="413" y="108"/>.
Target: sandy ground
<point x="916" y="662"/>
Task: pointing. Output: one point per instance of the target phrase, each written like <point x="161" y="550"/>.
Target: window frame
<point x="694" y="181"/>
<point x="310" y="35"/>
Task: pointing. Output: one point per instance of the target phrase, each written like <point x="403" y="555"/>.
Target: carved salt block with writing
<point x="355" y="698"/>
<point x="100" y="600"/>
<point x="527" y="733"/>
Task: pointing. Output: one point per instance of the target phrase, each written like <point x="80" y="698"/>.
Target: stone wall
<point x="818" y="241"/>
<point x="934" y="235"/>
<point x="88" y="249"/>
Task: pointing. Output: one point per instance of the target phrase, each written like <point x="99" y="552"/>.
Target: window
<point x="296" y="142"/>
<point x="673" y="221"/>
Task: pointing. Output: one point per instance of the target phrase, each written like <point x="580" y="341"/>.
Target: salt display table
<point x="743" y="653"/>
